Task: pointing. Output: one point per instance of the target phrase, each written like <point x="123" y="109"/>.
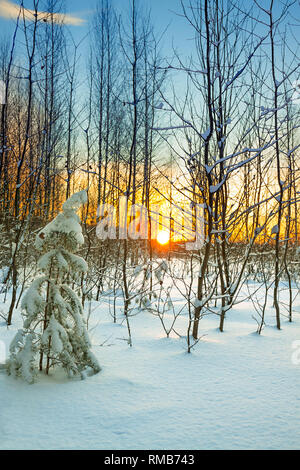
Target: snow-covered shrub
<point x="54" y="332"/>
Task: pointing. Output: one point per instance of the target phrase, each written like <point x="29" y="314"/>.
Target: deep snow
<point x="237" y="390"/>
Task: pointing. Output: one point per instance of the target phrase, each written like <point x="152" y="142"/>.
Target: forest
<point x="151" y="193"/>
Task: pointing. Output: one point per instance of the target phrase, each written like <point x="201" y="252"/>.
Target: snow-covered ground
<point x="237" y="390"/>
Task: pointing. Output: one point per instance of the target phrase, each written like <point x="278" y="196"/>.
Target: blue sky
<point x="162" y="13"/>
<point x="164" y="17"/>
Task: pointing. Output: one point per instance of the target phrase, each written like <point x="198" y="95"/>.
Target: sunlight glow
<point x="163" y="237"/>
<point x="10" y="10"/>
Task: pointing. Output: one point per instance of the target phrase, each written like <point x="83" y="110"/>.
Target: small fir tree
<point x="54" y="331"/>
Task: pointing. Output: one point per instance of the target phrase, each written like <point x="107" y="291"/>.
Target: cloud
<point x="11" y="10"/>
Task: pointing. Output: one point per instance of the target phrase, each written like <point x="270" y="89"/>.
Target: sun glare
<point x="163" y="237"/>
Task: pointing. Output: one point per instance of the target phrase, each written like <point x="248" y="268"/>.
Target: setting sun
<point x="163" y="237"/>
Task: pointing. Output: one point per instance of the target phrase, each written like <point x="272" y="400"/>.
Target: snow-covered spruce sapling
<point x="54" y="332"/>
